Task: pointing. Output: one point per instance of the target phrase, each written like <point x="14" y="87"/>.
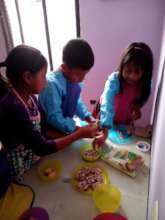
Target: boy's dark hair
<point x="77" y="53"/>
<point x="21" y="59"/>
<point x="141" y="56"/>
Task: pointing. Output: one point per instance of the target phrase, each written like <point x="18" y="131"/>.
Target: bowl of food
<point x="86" y="177"/>
<point x="89" y="154"/>
<point x="49" y="170"/>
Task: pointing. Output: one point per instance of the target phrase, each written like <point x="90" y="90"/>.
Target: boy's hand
<point x="136" y="113"/>
<point x="88" y="131"/>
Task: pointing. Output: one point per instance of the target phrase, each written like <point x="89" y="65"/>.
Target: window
<point x="44" y="24"/>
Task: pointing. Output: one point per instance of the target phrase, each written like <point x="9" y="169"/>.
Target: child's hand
<point x="88" y="131"/>
<point x="136" y="113"/>
<point x="99" y="140"/>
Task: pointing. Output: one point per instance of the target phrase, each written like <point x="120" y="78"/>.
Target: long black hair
<point x="141" y="56"/>
<point x="21" y="59"/>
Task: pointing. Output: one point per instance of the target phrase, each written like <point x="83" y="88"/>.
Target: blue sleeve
<point x="81" y="110"/>
<point x="51" y="100"/>
<point x="107" y="111"/>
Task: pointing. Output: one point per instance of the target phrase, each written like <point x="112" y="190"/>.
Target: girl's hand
<point x="99" y="140"/>
<point x="136" y="113"/>
<point x="82" y="132"/>
<point x="88" y="131"/>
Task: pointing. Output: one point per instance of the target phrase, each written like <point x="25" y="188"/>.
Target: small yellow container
<point x="107" y="198"/>
<point x="85" y="148"/>
<point x="53" y="164"/>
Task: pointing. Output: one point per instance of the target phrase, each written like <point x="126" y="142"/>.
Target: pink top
<point x="124" y="103"/>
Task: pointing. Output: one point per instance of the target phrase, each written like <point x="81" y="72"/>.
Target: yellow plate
<point x="74" y="181"/>
<point x="85" y="148"/>
<point x="107" y="198"/>
<point x="54" y="164"/>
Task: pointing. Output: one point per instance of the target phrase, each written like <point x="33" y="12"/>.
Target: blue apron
<point x="69" y="102"/>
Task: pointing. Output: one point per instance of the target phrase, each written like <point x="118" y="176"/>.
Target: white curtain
<point x="5" y="25"/>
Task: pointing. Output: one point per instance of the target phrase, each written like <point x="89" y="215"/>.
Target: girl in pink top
<point x="127" y="89"/>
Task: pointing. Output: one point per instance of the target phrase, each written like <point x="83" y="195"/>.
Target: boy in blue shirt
<point x="61" y="98"/>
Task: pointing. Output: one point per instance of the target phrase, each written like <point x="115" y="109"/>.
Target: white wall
<point x="157" y="177"/>
<point x="2" y="46"/>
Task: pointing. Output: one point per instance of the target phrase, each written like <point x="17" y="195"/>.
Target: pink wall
<point x="109" y="26"/>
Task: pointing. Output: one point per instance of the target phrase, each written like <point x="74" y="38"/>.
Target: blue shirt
<point x="51" y="100"/>
<point x="107" y="109"/>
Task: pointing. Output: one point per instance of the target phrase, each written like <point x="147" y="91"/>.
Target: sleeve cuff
<point x="88" y="114"/>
